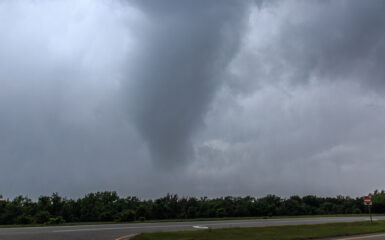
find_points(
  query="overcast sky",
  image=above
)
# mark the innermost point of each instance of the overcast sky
(193, 97)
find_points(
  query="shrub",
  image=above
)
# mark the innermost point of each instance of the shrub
(24, 219)
(221, 212)
(56, 220)
(126, 216)
(356, 211)
(142, 219)
(106, 216)
(42, 217)
(141, 211)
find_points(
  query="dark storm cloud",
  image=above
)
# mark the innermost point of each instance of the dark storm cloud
(283, 97)
(327, 39)
(301, 80)
(340, 39)
(184, 50)
(60, 123)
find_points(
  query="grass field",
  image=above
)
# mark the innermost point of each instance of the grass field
(296, 232)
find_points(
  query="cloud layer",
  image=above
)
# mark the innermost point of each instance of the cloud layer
(197, 98)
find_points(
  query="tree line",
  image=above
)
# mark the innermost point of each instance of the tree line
(108, 206)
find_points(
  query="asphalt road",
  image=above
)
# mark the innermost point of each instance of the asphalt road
(123, 231)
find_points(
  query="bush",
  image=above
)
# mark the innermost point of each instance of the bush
(24, 219)
(126, 216)
(142, 219)
(356, 211)
(141, 211)
(56, 220)
(42, 217)
(106, 216)
(221, 212)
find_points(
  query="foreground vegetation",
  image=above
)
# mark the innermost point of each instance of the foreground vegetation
(108, 206)
(271, 233)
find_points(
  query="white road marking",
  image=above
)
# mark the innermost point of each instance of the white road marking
(200, 227)
(119, 228)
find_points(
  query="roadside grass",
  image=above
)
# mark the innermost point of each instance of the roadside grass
(186, 220)
(292, 232)
(262, 217)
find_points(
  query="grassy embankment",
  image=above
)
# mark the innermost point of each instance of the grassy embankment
(296, 232)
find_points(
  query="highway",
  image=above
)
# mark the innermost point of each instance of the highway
(124, 231)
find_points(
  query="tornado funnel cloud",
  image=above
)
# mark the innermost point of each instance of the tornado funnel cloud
(186, 47)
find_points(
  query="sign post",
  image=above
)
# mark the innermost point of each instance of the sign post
(368, 202)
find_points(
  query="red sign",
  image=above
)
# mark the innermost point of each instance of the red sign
(367, 200)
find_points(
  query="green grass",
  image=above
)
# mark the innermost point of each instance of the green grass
(294, 232)
(264, 217)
